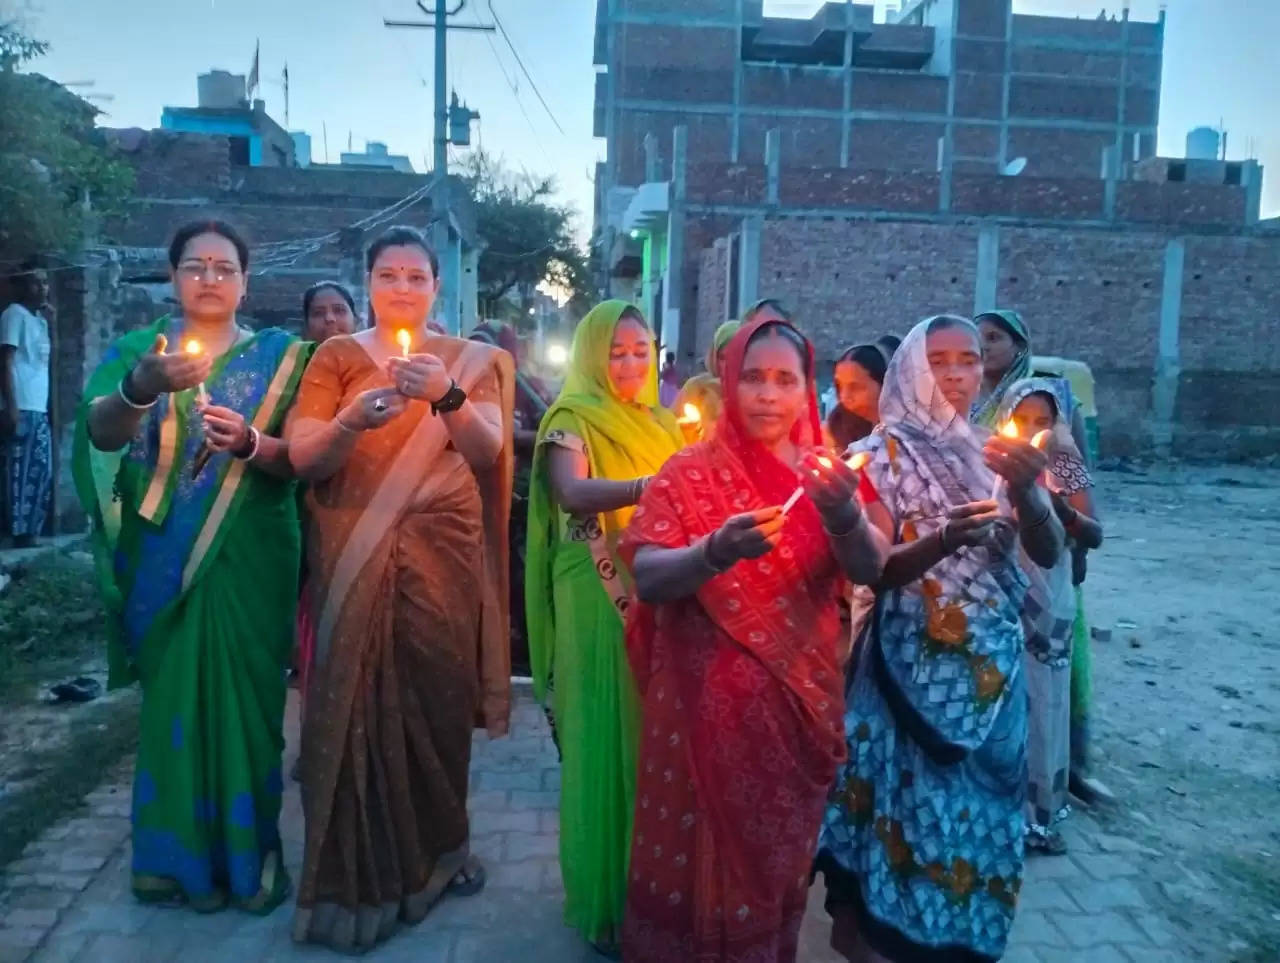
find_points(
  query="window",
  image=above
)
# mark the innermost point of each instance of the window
(1177, 171)
(239, 151)
(1234, 174)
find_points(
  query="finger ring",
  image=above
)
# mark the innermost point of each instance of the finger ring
(379, 405)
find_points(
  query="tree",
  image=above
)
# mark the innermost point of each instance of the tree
(529, 237)
(58, 178)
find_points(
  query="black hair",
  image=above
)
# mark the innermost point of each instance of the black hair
(766, 303)
(182, 237)
(890, 343)
(671, 357)
(873, 359)
(310, 293)
(401, 235)
(790, 335)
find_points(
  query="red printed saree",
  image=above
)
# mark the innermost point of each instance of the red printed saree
(742, 698)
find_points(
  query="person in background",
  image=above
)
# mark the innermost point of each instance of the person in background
(1006, 359)
(24, 408)
(603, 439)
(703, 390)
(859, 373)
(408, 453)
(1034, 405)
(668, 381)
(190, 490)
(922, 842)
(530, 406)
(735, 646)
(328, 310)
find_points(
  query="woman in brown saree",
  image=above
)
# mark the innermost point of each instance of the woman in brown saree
(408, 450)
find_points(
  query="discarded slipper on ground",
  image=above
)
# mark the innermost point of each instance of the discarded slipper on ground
(82, 689)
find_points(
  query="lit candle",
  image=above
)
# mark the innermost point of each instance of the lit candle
(192, 347)
(691, 415)
(1010, 430)
(857, 463)
(405, 339)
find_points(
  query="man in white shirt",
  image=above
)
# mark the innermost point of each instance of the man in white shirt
(24, 408)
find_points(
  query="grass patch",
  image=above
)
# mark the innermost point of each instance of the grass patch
(103, 733)
(51, 619)
(52, 628)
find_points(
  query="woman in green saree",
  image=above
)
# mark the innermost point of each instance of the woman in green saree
(597, 447)
(196, 541)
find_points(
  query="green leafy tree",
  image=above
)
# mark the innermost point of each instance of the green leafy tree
(529, 237)
(58, 178)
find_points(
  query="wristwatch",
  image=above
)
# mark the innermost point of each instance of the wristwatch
(453, 400)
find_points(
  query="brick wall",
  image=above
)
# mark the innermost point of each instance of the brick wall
(1090, 294)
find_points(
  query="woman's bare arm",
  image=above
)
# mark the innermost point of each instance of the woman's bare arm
(580, 495)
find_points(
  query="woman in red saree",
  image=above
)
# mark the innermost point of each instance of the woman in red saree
(734, 645)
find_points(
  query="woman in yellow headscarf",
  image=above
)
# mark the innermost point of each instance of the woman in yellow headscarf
(597, 447)
(703, 390)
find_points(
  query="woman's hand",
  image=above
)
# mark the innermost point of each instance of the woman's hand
(421, 376)
(832, 486)
(224, 429)
(748, 535)
(372, 409)
(970, 525)
(1017, 461)
(157, 373)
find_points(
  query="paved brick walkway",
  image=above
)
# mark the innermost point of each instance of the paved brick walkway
(68, 898)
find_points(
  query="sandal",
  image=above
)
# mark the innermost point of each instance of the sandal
(467, 884)
(1048, 842)
(82, 689)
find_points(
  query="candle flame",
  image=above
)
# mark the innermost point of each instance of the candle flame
(1009, 429)
(860, 460)
(404, 339)
(691, 415)
(192, 346)
(1041, 438)
(824, 461)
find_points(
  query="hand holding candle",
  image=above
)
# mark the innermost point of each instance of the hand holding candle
(1001, 458)
(690, 422)
(854, 464)
(405, 340)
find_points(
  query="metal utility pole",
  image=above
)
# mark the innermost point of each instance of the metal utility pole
(439, 22)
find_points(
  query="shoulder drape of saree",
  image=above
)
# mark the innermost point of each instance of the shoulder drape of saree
(408, 478)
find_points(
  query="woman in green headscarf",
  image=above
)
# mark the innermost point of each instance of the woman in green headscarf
(703, 390)
(597, 446)
(1006, 358)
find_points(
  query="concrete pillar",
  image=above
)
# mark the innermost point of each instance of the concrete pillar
(749, 262)
(1251, 178)
(470, 289)
(651, 161)
(673, 289)
(773, 162)
(847, 93)
(988, 269)
(1110, 175)
(735, 134)
(944, 171)
(1164, 391)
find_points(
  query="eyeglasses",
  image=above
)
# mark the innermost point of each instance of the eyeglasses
(196, 271)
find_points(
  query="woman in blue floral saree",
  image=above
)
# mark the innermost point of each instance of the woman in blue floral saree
(922, 841)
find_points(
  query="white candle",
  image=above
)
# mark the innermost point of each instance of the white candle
(193, 347)
(857, 463)
(405, 340)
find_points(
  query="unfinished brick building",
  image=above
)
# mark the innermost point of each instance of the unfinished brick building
(959, 158)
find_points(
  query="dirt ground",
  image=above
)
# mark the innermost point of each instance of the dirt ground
(1187, 692)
